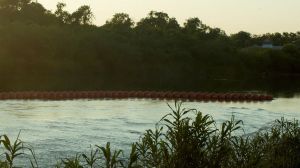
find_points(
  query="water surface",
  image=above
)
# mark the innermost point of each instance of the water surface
(58, 129)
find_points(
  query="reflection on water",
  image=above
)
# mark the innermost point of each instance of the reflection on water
(57, 129)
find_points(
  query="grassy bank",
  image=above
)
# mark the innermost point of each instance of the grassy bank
(184, 138)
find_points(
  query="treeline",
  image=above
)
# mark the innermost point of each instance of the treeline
(59, 50)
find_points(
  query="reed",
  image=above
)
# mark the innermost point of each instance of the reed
(13, 150)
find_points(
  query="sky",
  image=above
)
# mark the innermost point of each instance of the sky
(254, 16)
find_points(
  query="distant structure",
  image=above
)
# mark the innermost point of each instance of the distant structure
(269, 45)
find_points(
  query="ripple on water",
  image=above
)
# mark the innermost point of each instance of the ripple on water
(57, 129)
(132, 123)
(135, 132)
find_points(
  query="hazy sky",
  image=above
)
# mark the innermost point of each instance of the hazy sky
(254, 16)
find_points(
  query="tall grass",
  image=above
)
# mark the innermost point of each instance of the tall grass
(187, 138)
(12, 150)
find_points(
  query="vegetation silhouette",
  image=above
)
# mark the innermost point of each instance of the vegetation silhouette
(44, 50)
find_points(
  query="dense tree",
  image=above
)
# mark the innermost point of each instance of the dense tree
(83, 15)
(242, 39)
(14, 5)
(61, 50)
(157, 22)
(194, 25)
(120, 21)
(61, 14)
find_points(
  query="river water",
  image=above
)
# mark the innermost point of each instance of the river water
(59, 129)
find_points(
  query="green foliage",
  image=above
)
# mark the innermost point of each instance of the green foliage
(13, 150)
(193, 25)
(133, 158)
(187, 138)
(82, 16)
(111, 159)
(15, 5)
(92, 158)
(120, 22)
(62, 15)
(72, 162)
(242, 39)
(41, 50)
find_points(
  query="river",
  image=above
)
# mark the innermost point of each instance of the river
(59, 129)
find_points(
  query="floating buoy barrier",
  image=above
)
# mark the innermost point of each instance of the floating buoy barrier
(186, 96)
